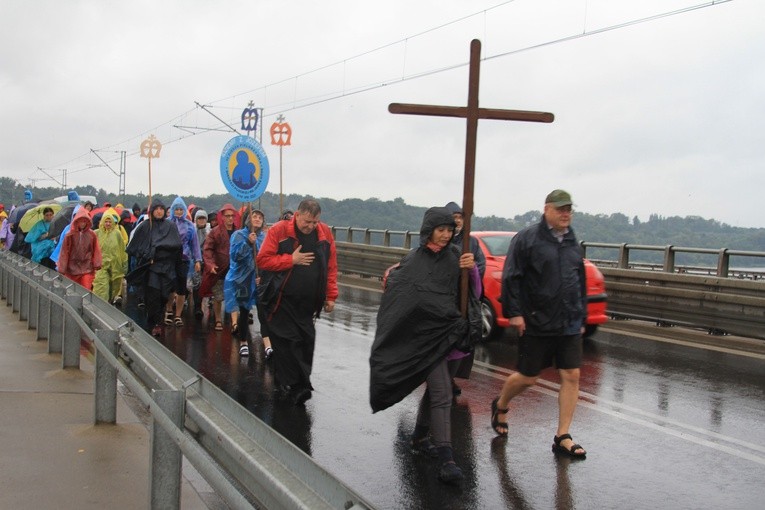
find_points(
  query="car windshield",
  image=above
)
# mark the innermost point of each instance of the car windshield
(498, 244)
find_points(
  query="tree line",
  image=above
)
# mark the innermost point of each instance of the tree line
(397, 215)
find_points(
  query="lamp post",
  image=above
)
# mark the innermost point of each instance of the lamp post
(281, 135)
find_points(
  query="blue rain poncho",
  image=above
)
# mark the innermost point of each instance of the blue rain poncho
(188, 233)
(41, 247)
(239, 289)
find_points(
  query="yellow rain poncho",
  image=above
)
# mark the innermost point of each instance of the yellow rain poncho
(108, 282)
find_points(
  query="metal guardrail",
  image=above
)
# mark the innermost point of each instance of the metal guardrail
(245, 461)
(720, 305)
(377, 237)
(669, 253)
(673, 294)
(366, 260)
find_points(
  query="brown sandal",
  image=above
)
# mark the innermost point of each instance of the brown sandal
(495, 423)
(218, 326)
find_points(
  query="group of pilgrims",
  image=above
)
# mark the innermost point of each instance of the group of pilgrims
(159, 254)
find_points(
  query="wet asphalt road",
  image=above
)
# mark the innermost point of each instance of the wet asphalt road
(665, 426)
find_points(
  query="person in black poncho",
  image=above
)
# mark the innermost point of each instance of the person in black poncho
(157, 248)
(418, 325)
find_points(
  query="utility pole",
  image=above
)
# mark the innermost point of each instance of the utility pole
(123, 167)
(120, 174)
(61, 183)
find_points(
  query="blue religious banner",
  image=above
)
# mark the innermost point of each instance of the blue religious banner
(244, 168)
(250, 118)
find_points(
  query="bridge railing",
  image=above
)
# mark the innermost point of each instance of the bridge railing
(721, 258)
(247, 463)
(717, 298)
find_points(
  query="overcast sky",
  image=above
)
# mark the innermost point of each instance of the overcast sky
(663, 117)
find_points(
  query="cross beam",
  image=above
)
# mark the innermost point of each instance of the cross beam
(472, 113)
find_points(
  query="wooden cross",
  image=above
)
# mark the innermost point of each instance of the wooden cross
(472, 113)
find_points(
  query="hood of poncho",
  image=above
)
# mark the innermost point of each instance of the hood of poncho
(434, 217)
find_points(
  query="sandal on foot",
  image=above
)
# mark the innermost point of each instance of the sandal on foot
(218, 326)
(169, 318)
(450, 472)
(178, 322)
(234, 328)
(244, 350)
(424, 446)
(495, 423)
(571, 452)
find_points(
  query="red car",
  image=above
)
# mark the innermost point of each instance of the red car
(494, 246)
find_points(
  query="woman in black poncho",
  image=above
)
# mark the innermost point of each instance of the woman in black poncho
(418, 325)
(157, 249)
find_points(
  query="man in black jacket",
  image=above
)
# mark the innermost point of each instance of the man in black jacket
(544, 296)
(480, 259)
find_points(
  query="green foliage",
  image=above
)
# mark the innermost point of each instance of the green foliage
(397, 215)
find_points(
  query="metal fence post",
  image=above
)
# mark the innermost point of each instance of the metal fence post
(43, 309)
(9, 289)
(166, 457)
(624, 256)
(3, 279)
(71, 345)
(723, 263)
(25, 295)
(105, 393)
(56, 324)
(669, 259)
(16, 295)
(34, 301)
(408, 241)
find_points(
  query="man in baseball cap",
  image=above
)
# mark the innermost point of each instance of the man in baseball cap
(558, 198)
(544, 297)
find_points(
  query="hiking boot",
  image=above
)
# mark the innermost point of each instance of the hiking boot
(450, 473)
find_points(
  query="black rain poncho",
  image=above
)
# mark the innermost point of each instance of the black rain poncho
(419, 321)
(157, 249)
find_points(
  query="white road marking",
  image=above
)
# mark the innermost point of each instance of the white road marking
(647, 419)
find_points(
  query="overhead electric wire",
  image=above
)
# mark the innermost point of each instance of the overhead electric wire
(292, 105)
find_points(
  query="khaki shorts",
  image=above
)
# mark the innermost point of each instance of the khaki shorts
(217, 291)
